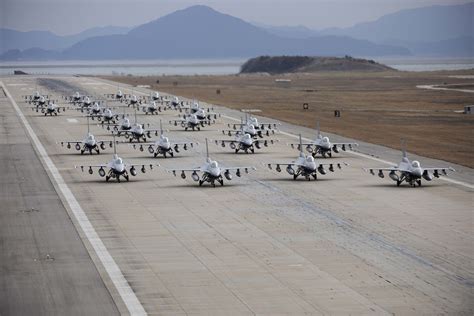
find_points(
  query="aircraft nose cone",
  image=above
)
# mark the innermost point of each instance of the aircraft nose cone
(418, 172)
(119, 168)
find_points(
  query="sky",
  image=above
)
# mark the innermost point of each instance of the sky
(66, 17)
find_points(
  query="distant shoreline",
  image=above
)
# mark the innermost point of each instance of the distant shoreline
(190, 67)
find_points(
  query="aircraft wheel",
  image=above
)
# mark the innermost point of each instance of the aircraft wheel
(107, 178)
(295, 176)
(330, 154)
(398, 183)
(186, 129)
(155, 154)
(171, 154)
(419, 183)
(127, 177)
(200, 183)
(82, 152)
(118, 178)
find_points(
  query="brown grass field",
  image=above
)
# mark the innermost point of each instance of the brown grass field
(379, 108)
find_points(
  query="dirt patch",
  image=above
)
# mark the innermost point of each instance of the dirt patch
(379, 108)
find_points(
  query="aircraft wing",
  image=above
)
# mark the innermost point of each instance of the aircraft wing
(344, 145)
(185, 145)
(320, 166)
(141, 165)
(381, 170)
(99, 142)
(297, 145)
(91, 166)
(183, 171)
(268, 125)
(224, 141)
(437, 170)
(245, 168)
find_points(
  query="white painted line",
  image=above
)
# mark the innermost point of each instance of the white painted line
(433, 87)
(465, 184)
(462, 76)
(74, 121)
(16, 84)
(125, 291)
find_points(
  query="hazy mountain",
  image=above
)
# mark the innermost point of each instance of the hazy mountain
(201, 32)
(456, 47)
(427, 24)
(31, 54)
(297, 31)
(12, 39)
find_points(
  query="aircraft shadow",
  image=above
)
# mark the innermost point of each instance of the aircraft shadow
(401, 187)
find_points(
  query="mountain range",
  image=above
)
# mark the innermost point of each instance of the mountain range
(201, 32)
(427, 31)
(12, 39)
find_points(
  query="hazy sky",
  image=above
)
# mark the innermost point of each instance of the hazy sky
(72, 16)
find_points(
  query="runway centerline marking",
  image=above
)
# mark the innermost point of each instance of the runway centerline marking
(123, 288)
(461, 183)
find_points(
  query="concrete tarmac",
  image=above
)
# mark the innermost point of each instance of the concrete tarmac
(349, 243)
(45, 268)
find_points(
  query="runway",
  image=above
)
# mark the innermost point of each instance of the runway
(45, 268)
(262, 244)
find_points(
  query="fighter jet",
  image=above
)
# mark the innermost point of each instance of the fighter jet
(244, 142)
(133, 100)
(95, 108)
(191, 122)
(304, 166)
(36, 98)
(123, 126)
(155, 96)
(246, 129)
(138, 132)
(163, 146)
(202, 115)
(210, 171)
(117, 168)
(51, 108)
(89, 143)
(150, 108)
(260, 127)
(175, 102)
(106, 116)
(410, 172)
(323, 146)
(200, 112)
(118, 96)
(76, 98)
(84, 104)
